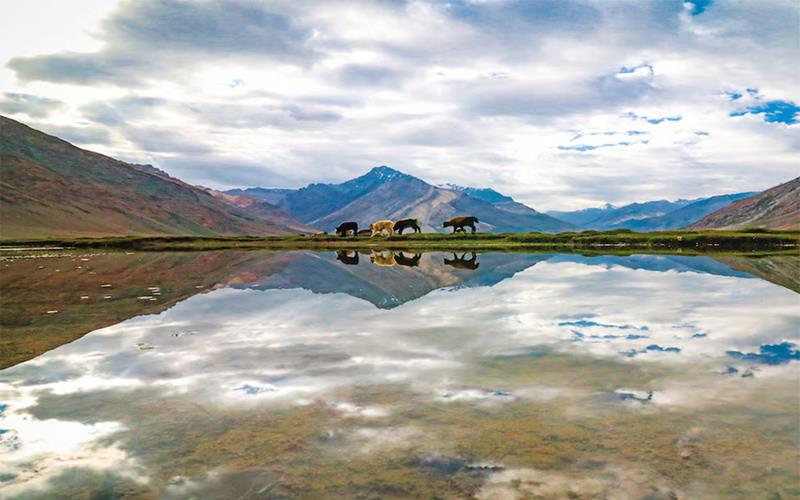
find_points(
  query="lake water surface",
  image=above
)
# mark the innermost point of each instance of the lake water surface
(387, 375)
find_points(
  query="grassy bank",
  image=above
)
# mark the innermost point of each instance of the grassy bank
(690, 241)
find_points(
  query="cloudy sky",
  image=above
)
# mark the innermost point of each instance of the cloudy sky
(561, 104)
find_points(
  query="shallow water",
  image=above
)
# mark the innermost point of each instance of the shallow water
(302, 374)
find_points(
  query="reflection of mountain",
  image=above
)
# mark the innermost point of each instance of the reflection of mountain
(47, 302)
(43, 306)
(390, 286)
(659, 263)
(783, 270)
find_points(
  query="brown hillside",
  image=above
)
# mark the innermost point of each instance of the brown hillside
(50, 188)
(775, 208)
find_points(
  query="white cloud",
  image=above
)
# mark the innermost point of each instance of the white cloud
(332, 89)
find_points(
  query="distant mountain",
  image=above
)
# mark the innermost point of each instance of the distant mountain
(775, 208)
(485, 194)
(657, 215)
(583, 217)
(261, 209)
(386, 193)
(50, 188)
(499, 200)
(270, 195)
(611, 217)
(683, 216)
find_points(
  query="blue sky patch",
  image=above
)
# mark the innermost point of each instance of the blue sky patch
(654, 121)
(773, 111)
(588, 147)
(699, 6)
(626, 70)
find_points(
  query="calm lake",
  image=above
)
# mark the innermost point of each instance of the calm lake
(394, 375)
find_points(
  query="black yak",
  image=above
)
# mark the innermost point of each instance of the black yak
(346, 227)
(402, 224)
(459, 223)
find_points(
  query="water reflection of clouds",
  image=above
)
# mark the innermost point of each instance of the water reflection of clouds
(298, 343)
(34, 451)
(292, 346)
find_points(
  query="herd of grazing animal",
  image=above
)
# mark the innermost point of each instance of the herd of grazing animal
(388, 258)
(388, 227)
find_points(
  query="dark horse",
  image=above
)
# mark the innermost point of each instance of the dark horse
(462, 263)
(401, 259)
(459, 223)
(346, 258)
(402, 224)
(346, 227)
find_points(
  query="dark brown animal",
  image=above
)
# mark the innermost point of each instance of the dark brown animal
(459, 223)
(402, 224)
(345, 257)
(463, 263)
(346, 227)
(402, 260)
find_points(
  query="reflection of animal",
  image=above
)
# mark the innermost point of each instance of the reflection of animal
(364, 232)
(459, 223)
(462, 263)
(402, 260)
(382, 259)
(402, 224)
(346, 227)
(345, 257)
(381, 226)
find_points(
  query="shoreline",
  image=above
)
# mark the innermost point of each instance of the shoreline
(746, 241)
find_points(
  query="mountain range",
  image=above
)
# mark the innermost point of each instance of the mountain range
(386, 193)
(649, 216)
(50, 188)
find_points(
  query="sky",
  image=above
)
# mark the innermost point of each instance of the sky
(561, 104)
